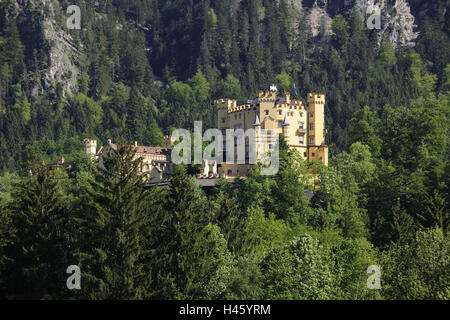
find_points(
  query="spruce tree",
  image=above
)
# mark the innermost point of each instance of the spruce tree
(36, 254)
(191, 255)
(114, 227)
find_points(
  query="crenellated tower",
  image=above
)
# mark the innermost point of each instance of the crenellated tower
(316, 128)
(90, 147)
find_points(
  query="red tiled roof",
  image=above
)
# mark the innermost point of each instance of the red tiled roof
(147, 150)
(55, 165)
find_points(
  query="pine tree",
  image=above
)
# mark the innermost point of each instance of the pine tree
(115, 228)
(290, 202)
(36, 256)
(228, 216)
(190, 254)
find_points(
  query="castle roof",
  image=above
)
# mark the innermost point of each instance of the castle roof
(285, 122)
(143, 149)
(257, 123)
(147, 150)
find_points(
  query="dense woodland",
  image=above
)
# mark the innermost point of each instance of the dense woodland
(383, 200)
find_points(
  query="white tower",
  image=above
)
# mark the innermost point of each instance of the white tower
(90, 147)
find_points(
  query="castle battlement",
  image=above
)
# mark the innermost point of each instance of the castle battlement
(316, 98)
(292, 104)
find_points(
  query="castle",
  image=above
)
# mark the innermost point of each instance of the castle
(303, 127)
(156, 165)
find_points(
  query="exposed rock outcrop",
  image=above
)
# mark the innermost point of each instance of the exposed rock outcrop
(37, 22)
(397, 22)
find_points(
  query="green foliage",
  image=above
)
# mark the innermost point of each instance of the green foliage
(35, 256)
(264, 233)
(300, 269)
(145, 67)
(340, 29)
(191, 259)
(386, 55)
(115, 219)
(339, 200)
(363, 128)
(418, 269)
(6, 183)
(283, 82)
(230, 87)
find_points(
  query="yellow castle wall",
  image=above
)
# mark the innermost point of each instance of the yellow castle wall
(271, 115)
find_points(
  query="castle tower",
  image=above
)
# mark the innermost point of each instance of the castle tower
(223, 105)
(168, 142)
(316, 128)
(316, 119)
(90, 147)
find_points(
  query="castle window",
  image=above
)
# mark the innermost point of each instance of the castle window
(313, 154)
(280, 124)
(311, 115)
(240, 116)
(279, 112)
(302, 139)
(266, 112)
(270, 146)
(311, 140)
(223, 120)
(230, 172)
(301, 114)
(305, 154)
(300, 125)
(311, 126)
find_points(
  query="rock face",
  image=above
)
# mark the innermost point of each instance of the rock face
(63, 53)
(397, 22)
(37, 22)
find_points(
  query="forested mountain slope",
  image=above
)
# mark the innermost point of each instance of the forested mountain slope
(58, 85)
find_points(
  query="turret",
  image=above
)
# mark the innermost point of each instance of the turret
(90, 147)
(168, 142)
(223, 107)
(316, 118)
